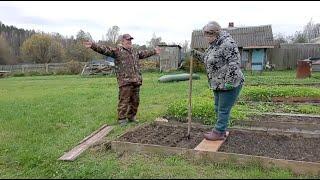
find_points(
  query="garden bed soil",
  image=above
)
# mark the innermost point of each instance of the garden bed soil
(166, 134)
(289, 147)
(296, 99)
(282, 118)
(294, 123)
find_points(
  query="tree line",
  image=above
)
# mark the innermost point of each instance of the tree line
(27, 46)
(310, 31)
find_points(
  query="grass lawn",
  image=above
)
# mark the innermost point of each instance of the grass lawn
(44, 116)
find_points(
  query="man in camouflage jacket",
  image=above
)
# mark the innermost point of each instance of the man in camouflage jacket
(222, 63)
(128, 72)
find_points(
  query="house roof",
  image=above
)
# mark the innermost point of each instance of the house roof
(249, 36)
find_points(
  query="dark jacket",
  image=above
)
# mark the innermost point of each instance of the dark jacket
(127, 67)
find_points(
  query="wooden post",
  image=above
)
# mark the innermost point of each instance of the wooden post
(47, 67)
(160, 64)
(190, 97)
(84, 68)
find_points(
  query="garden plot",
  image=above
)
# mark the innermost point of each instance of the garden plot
(315, 84)
(295, 151)
(295, 122)
(164, 134)
(296, 99)
(298, 147)
(297, 108)
(285, 94)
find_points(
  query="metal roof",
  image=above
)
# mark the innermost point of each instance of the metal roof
(250, 36)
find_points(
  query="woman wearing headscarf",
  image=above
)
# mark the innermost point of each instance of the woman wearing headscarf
(225, 78)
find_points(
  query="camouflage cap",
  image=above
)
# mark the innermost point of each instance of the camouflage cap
(127, 36)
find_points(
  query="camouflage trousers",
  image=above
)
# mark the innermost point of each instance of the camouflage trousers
(128, 101)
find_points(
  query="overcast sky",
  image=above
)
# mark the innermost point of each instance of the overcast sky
(172, 21)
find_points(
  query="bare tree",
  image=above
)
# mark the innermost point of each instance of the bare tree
(281, 38)
(14, 37)
(311, 30)
(82, 36)
(299, 37)
(184, 46)
(112, 35)
(5, 52)
(154, 41)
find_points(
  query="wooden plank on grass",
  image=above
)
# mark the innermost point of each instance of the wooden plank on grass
(212, 146)
(86, 143)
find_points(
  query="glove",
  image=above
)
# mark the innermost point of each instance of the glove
(228, 86)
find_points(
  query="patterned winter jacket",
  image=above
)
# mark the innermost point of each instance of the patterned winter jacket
(127, 67)
(222, 62)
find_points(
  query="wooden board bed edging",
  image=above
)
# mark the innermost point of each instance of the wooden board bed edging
(297, 167)
(279, 125)
(296, 124)
(291, 114)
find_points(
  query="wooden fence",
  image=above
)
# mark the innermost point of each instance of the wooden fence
(63, 67)
(41, 68)
(287, 55)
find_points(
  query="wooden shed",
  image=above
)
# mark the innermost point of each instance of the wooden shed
(253, 42)
(170, 57)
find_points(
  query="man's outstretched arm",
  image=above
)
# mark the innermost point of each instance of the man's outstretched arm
(105, 50)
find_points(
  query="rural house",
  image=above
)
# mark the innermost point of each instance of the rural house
(253, 42)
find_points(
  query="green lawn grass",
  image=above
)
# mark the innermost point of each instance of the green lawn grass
(44, 116)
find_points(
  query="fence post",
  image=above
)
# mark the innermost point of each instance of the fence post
(47, 67)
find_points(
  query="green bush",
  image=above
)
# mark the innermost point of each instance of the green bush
(63, 72)
(266, 93)
(147, 65)
(74, 67)
(31, 73)
(202, 111)
(18, 74)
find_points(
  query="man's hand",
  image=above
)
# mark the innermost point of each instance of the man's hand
(87, 44)
(158, 50)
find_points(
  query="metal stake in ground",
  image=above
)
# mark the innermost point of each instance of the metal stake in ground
(190, 95)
